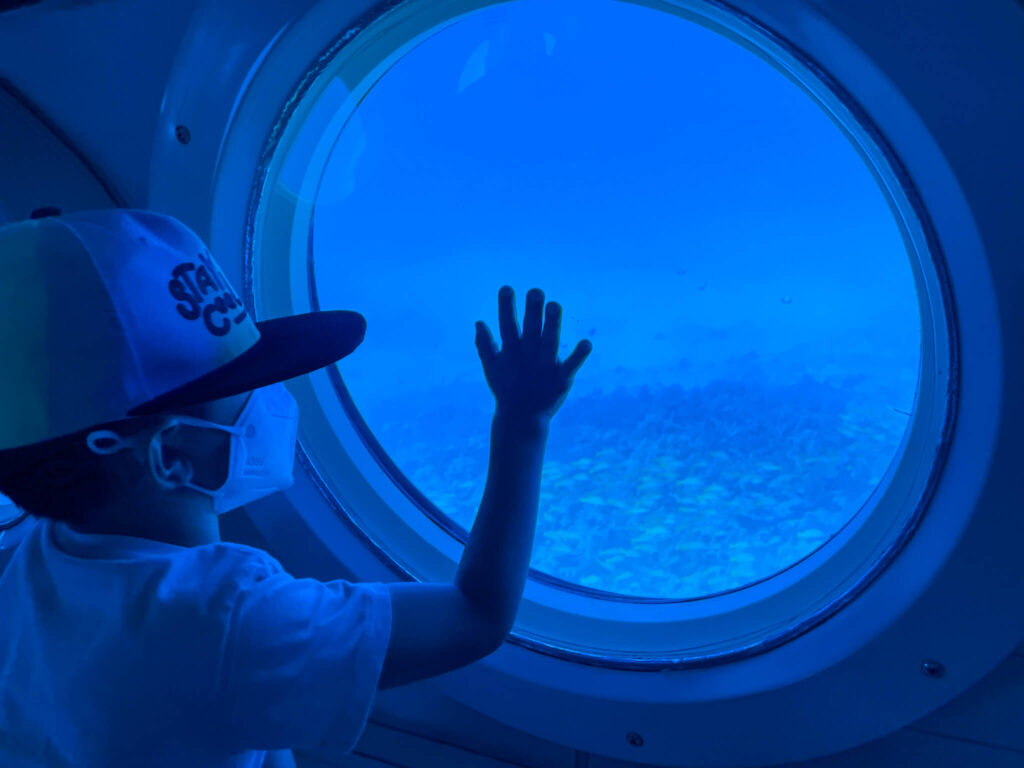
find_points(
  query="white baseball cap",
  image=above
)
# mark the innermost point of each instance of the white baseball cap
(107, 315)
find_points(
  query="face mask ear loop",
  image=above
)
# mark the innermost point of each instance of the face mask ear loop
(119, 443)
(161, 473)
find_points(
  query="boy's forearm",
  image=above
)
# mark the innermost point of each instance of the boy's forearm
(492, 573)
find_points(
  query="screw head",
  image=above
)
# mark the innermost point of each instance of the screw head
(932, 668)
(635, 739)
(183, 134)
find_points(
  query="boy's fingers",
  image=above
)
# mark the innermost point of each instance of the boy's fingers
(534, 317)
(485, 343)
(575, 360)
(507, 316)
(552, 329)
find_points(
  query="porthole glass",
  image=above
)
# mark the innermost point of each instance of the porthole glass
(716, 234)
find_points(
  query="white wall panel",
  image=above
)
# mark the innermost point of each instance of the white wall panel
(991, 712)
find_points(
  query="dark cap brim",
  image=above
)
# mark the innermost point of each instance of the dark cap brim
(288, 347)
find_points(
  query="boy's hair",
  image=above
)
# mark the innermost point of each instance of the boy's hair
(61, 478)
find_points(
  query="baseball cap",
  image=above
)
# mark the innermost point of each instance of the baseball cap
(112, 314)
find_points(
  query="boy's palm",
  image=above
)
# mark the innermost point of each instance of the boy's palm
(525, 376)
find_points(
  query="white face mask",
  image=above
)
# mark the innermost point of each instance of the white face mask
(262, 449)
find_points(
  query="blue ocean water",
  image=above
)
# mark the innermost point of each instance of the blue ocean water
(699, 217)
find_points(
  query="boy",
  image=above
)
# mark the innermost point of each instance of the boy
(139, 401)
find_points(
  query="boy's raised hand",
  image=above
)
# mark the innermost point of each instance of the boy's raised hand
(525, 376)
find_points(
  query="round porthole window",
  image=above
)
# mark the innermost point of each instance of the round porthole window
(731, 240)
(719, 239)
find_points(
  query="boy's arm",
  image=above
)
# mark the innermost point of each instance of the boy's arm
(440, 627)
(492, 572)
(436, 628)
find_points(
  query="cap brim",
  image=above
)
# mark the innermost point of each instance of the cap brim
(288, 347)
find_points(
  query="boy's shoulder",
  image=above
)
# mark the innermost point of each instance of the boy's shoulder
(240, 559)
(76, 542)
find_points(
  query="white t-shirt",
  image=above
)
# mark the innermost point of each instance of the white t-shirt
(120, 651)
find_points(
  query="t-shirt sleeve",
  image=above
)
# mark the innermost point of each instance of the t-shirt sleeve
(302, 660)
